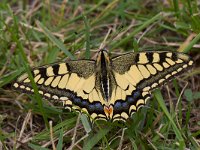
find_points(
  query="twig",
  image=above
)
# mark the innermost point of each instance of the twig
(121, 140)
(75, 131)
(51, 134)
(104, 40)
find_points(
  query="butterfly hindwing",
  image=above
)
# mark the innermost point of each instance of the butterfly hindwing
(72, 82)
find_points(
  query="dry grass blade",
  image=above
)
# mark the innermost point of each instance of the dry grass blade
(51, 135)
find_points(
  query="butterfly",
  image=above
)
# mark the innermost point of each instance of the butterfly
(106, 88)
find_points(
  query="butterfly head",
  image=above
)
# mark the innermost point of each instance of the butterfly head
(103, 57)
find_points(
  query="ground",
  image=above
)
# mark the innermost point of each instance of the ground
(35, 33)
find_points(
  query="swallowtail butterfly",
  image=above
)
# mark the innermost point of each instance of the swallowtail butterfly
(106, 88)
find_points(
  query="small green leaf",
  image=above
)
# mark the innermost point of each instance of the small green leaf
(196, 95)
(86, 123)
(198, 123)
(188, 95)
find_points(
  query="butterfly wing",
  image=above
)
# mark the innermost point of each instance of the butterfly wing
(72, 82)
(137, 74)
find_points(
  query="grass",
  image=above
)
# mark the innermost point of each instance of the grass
(37, 33)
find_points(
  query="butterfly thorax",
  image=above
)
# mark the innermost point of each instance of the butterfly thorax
(104, 75)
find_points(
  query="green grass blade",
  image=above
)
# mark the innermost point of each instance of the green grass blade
(28, 70)
(5, 79)
(160, 100)
(55, 40)
(92, 141)
(60, 140)
(36, 147)
(137, 30)
(87, 12)
(176, 7)
(191, 44)
(87, 37)
(135, 45)
(67, 124)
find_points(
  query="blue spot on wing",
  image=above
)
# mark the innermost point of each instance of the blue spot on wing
(95, 107)
(77, 100)
(124, 105)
